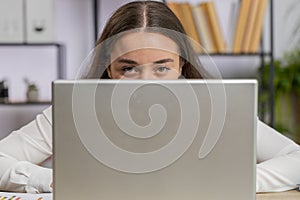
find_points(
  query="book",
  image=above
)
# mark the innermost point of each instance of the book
(250, 25)
(203, 29)
(176, 10)
(234, 9)
(214, 25)
(257, 29)
(213, 48)
(241, 26)
(189, 25)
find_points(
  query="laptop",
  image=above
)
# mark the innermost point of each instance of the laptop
(162, 140)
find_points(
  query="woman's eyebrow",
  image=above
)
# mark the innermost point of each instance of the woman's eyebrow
(163, 61)
(127, 61)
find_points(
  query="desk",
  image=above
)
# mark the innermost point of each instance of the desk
(24, 196)
(289, 195)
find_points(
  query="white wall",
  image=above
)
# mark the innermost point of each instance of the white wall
(286, 18)
(74, 29)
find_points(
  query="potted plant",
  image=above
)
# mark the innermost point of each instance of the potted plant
(286, 80)
(287, 93)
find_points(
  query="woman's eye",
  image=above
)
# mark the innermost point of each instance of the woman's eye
(129, 69)
(162, 69)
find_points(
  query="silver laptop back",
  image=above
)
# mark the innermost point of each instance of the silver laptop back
(162, 140)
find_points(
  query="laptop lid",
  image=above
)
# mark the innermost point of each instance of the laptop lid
(182, 139)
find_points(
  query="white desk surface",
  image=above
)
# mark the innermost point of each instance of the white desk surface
(289, 195)
(24, 196)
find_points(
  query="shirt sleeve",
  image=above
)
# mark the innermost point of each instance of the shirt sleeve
(23, 150)
(278, 160)
(21, 154)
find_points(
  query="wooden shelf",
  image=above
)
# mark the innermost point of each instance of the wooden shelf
(236, 54)
(24, 103)
(30, 44)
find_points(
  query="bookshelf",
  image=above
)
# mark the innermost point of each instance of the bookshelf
(266, 108)
(61, 71)
(242, 45)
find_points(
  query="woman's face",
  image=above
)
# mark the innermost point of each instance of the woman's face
(143, 55)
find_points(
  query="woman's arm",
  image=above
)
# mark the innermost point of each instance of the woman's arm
(278, 158)
(22, 151)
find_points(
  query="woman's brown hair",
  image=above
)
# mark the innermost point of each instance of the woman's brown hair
(145, 14)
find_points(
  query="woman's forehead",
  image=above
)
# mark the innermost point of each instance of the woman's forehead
(147, 56)
(143, 41)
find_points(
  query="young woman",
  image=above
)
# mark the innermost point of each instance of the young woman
(137, 55)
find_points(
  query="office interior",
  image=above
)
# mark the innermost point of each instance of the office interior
(73, 35)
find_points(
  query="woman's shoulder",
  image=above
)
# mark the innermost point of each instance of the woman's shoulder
(48, 114)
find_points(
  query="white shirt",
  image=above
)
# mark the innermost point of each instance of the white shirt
(22, 152)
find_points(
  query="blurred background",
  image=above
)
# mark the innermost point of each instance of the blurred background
(45, 40)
